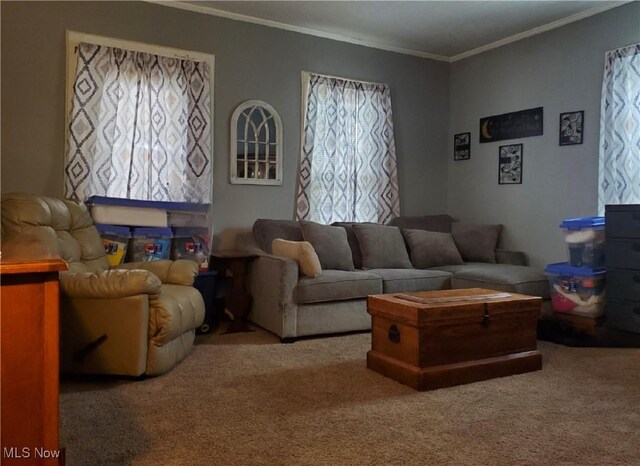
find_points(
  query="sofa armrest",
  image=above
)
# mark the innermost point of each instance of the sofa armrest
(109, 284)
(178, 272)
(504, 256)
(273, 280)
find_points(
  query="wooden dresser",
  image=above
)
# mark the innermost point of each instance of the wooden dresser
(622, 255)
(29, 335)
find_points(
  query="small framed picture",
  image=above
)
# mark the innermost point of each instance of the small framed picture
(571, 128)
(510, 164)
(462, 146)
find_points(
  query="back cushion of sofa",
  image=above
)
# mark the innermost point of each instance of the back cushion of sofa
(266, 230)
(476, 243)
(382, 247)
(63, 226)
(441, 223)
(330, 243)
(352, 239)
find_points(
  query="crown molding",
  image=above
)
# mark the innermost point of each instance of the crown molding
(539, 29)
(298, 29)
(390, 48)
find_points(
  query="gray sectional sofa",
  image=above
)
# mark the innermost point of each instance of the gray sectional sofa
(292, 305)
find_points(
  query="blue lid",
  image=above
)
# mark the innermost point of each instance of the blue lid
(152, 232)
(582, 222)
(173, 206)
(115, 230)
(564, 268)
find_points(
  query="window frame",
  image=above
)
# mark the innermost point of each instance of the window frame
(74, 38)
(233, 145)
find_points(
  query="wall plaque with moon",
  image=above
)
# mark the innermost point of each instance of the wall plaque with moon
(512, 125)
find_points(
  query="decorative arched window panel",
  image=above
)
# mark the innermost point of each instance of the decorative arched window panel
(256, 144)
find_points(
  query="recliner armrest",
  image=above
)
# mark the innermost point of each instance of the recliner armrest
(109, 284)
(504, 256)
(177, 272)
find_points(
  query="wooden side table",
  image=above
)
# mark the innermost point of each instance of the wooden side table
(237, 299)
(29, 345)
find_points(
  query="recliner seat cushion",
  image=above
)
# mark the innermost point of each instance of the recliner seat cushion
(336, 285)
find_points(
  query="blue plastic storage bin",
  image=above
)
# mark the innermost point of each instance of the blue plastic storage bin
(585, 241)
(150, 244)
(577, 290)
(116, 240)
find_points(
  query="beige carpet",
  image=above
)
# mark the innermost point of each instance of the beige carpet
(246, 399)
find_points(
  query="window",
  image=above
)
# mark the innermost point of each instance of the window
(256, 144)
(619, 160)
(348, 159)
(139, 121)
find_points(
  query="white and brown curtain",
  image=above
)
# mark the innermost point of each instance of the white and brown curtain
(140, 127)
(619, 159)
(348, 166)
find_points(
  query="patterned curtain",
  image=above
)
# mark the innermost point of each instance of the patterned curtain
(619, 162)
(348, 162)
(140, 127)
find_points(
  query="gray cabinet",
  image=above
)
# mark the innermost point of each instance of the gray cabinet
(622, 250)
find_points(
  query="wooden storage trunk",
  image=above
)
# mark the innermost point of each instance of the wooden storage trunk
(435, 339)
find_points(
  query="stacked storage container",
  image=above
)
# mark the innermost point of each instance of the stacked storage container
(150, 230)
(191, 243)
(150, 244)
(116, 240)
(578, 286)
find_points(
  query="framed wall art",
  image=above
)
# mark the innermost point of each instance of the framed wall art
(462, 146)
(510, 164)
(571, 128)
(514, 125)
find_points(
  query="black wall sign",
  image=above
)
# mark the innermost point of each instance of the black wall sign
(513, 125)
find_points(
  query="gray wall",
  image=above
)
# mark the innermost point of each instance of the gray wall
(560, 70)
(252, 62)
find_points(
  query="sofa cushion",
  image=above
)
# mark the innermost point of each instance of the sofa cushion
(501, 277)
(476, 243)
(336, 285)
(431, 248)
(56, 227)
(382, 247)
(441, 223)
(266, 230)
(302, 251)
(352, 239)
(330, 243)
(407, 280)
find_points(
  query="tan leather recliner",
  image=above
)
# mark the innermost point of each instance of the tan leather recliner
(134, 319)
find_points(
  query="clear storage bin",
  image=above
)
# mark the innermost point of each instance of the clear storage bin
(115, 239)
(192, 244)
(585, 241)
(150, 244)
(577, 290)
